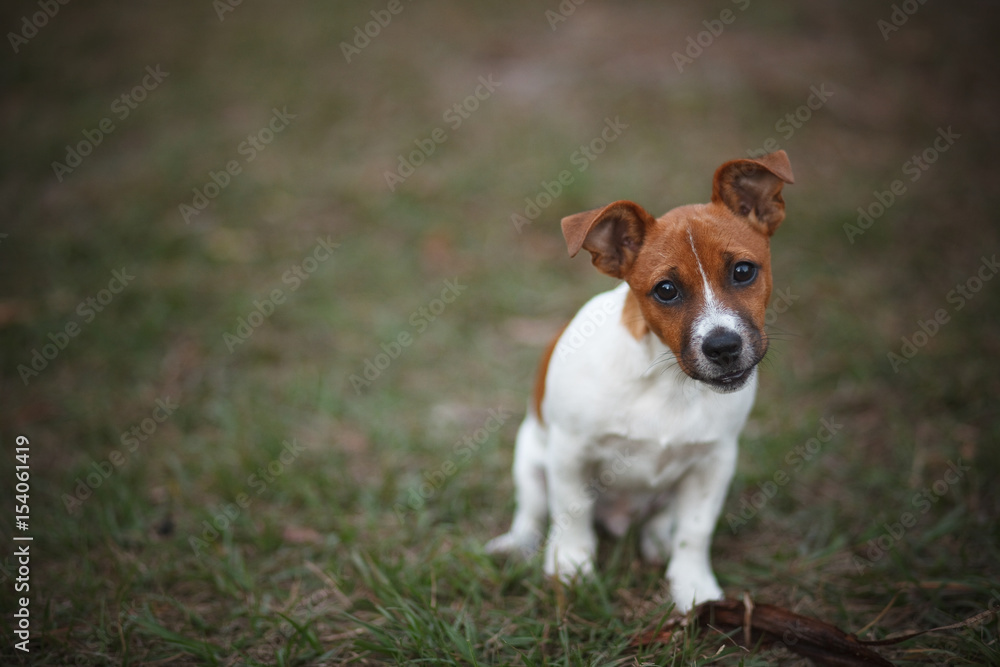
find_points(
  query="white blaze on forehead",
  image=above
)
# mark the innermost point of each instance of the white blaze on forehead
(709, 295)
(713, 315)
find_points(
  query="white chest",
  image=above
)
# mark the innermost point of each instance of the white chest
(636, 416)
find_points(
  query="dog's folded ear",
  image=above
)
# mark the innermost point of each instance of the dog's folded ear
(752, 188)
(612, 235)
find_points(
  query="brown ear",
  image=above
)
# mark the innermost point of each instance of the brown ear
(612, 235)
(752, 188)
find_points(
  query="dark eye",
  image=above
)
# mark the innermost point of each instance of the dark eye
(744, 272)
(665, 291)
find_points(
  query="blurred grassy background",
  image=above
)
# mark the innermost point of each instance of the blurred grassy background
(333, 554)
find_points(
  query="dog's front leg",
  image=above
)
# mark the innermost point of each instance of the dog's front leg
(699, 500)
(572, 541)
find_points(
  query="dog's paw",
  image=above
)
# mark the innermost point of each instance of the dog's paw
(568, 563)
(689, 592)
(511, 544)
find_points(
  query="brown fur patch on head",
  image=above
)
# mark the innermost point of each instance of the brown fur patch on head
(721, 245)
(691, 241)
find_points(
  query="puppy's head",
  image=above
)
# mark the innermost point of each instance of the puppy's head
(700, 275)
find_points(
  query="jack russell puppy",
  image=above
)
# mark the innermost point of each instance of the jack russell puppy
(639, 402)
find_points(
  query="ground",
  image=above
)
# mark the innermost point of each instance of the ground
(275, 280)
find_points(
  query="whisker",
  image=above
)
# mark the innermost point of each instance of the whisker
(667, 359)
(784, 332)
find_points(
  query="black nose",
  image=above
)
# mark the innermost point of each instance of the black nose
(722, 347)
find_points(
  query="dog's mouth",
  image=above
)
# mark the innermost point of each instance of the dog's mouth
(730, 381)
(735, 376)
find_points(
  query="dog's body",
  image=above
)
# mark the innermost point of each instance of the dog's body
(641, 399)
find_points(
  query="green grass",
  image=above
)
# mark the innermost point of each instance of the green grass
(279, 516)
